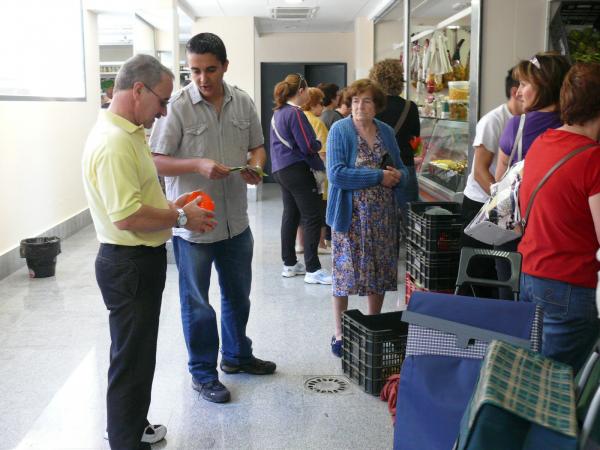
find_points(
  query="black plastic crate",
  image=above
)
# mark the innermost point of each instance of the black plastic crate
(374, 347)
(437, 239)
(413, 251)
(431, 274)
(435, 233)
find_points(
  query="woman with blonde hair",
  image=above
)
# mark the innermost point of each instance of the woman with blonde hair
(294, 159)
(366, 178)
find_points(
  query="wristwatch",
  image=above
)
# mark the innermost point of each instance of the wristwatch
(181, 219)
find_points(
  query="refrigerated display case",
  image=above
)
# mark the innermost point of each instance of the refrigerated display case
(442, 175)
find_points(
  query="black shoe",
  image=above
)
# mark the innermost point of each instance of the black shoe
(254, 367)
(213, 391)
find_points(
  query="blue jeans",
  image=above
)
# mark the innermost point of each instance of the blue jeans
(571, 324)
(233, 261)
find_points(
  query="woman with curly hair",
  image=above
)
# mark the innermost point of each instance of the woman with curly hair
(403, 116)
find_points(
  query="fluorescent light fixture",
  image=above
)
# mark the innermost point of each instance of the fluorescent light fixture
(294, 2)
(382, 9)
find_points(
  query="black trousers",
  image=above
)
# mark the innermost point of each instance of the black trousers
(131, 280)
(483, 267)
(301, 206)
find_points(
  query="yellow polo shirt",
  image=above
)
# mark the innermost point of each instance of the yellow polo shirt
(119, 177)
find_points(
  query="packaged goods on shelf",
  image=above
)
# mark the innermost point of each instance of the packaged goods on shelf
(458, 90)
(459, 109)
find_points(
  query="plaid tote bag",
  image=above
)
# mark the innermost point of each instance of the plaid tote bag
(522, 400)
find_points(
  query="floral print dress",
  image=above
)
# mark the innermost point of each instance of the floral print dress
(365, 259)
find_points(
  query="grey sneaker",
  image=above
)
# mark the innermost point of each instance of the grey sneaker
(292, 271)
(213, 391)
(321, 276)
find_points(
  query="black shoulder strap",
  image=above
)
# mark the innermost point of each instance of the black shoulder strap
(403, 116)
(553, 169)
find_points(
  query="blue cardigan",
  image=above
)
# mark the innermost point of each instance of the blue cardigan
(344, 177)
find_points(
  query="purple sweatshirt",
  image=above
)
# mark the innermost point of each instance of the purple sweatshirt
(536, 122)
(294, 128)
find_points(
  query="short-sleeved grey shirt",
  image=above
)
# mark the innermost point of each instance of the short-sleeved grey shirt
(192, 129)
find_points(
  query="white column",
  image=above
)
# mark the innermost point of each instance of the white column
(364, 39)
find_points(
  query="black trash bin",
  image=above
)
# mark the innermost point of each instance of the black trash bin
(40, 254)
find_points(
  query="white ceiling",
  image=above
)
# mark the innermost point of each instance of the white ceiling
(331, 16)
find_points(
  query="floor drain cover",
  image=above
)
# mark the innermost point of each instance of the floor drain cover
(327, 384)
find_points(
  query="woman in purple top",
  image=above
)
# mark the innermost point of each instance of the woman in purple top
(540, 80)
(294, 162)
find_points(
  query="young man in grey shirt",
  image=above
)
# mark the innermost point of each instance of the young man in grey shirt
(211, 128)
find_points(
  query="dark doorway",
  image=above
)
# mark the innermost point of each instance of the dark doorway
(273, 73)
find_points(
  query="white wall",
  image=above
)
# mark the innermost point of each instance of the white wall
(303, 48)
(237, 34)
(364, 46)
(143, 38)
(511, 30)
(112, 53)
(42, 142)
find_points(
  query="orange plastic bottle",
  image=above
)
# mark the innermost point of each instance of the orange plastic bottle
(205, 201)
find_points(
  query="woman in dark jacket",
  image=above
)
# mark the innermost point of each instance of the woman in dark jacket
(388, 74)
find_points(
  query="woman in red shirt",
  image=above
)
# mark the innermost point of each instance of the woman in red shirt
(563, 230)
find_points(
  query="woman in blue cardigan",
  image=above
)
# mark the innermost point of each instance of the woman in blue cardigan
(366, 178)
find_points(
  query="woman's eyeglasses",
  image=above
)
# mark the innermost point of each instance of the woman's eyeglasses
(301, 81)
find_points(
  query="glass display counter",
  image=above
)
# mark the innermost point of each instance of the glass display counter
(442, 175)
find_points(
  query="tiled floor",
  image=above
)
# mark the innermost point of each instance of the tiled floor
(54, 357)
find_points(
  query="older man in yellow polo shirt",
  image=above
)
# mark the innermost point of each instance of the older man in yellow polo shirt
(133, 221)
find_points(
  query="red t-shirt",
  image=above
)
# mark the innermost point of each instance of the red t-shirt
(560, 241)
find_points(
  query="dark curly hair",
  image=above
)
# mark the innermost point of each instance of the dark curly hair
(388, 74)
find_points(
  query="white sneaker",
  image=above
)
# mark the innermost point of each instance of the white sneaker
(292, 271)
(152, 434)
(321, 276)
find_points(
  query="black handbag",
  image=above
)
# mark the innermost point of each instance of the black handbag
(386, 161)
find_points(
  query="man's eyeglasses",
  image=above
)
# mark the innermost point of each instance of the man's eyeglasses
(163, 103)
